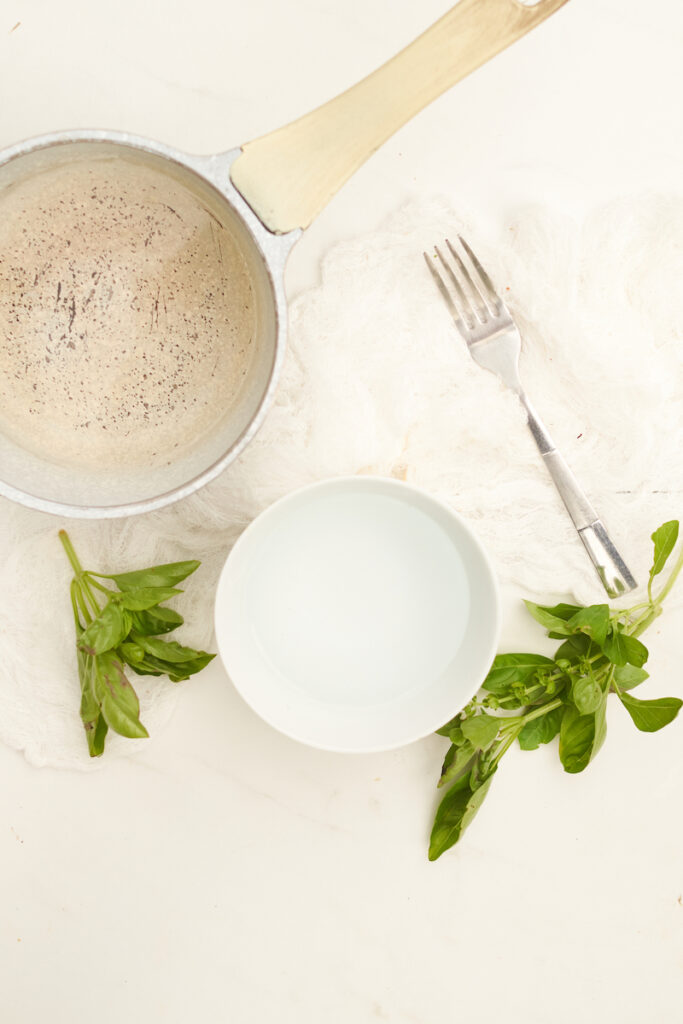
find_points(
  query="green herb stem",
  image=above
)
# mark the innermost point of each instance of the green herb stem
(93, 583)
(675, 572)
(625, 613)
(76, 607)
(70, 553)
(609, 682)
(81, 574)
(645, 620)
(82, 603)
(653, 608)
(505, 746)
(539, 712)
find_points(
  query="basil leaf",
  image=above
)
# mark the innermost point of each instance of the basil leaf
(97, 736)
(512, 668)
(157, 576)
(151, 666)
(166, 650)
(144, 668)
(134, 656)
(131, 652)
(146, 597)
(541, 730)
(594, 621)
(665, 541)
(627, 677)
(586, 694)
(448, 760)
(454, 814)
(548, 617)
(445, 730)
(476, 800)
(651, 715)
(456, 736)
(117, 698)
(481, 730)
(457, 762)
(600, 726)
(636, 652)
(565, 619)
(579, 735)
(189, 668)
(107, 631)
(575, 648)
(90, 709)
(614, 646)
(482, 770)
(622, 649)
(558, 611)
(93, 723)
(156, 621)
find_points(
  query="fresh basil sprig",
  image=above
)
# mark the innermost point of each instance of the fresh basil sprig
(534, 698)
(122, 627)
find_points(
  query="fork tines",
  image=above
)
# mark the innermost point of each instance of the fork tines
(464, 284)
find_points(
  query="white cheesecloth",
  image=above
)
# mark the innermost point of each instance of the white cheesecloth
(377, 380)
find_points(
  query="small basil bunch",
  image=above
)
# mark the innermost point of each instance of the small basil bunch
(534, 698)
(123, 627)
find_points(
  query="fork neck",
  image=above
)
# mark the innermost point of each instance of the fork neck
(541, 436)
(499, 354)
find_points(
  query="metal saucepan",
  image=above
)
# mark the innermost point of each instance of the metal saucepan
(142, 311)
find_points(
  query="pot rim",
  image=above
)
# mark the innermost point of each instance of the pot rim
(274, 249)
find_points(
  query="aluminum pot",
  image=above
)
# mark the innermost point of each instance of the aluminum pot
(257, 199)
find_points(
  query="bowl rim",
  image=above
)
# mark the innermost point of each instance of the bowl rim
(400, 487)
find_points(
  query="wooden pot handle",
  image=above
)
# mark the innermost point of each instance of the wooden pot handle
(289, 175)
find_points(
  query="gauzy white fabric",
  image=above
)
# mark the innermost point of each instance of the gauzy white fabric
(377, 380)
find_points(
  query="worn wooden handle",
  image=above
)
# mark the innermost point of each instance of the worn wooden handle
(289, 175)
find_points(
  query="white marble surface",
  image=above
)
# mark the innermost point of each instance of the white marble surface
(229, 874)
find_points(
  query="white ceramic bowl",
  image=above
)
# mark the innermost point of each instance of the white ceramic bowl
(358, 614)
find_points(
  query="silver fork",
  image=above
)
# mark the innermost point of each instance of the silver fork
(494, 342)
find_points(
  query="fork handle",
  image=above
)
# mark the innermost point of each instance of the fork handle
(610, 566)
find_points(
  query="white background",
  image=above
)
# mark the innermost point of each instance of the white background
(229, 874)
